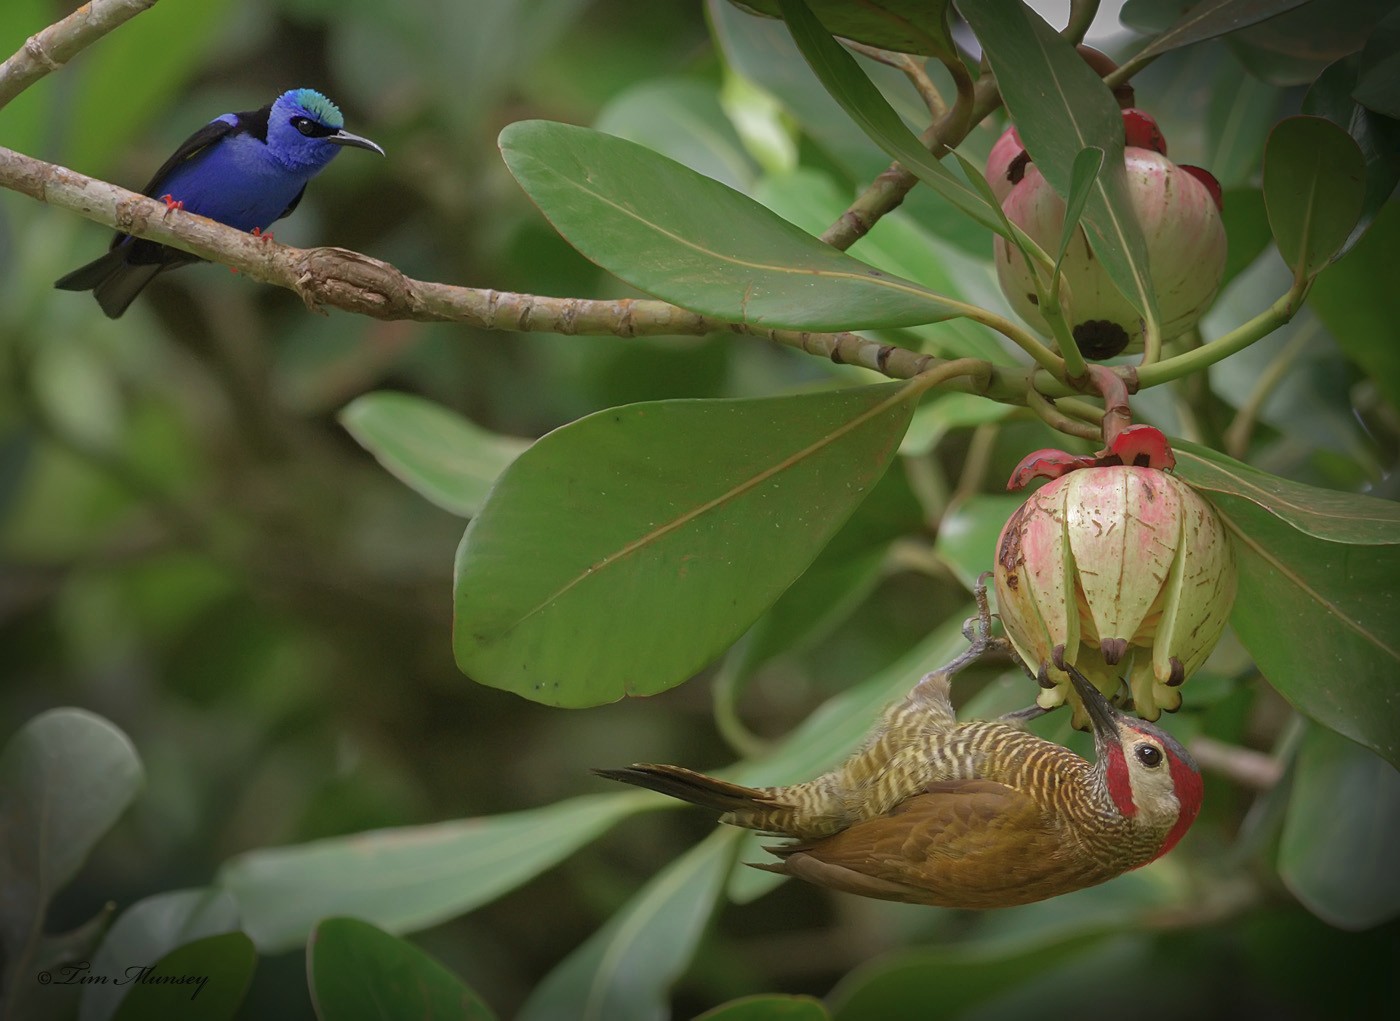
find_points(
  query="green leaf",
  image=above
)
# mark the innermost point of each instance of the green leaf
(65, 778)
(945, 412)
(1378, 76)
(1357, 300)
(1201, 21)
(1378, 137)
(1060, 107)
(768, 1008)
(904, 26)
(896, 987)
(623, 552)
(1088, 163)
(1337, 853)
(411, 877)
(862, 101)
(206, 979)
(1317, 605)
(625, 970)
(146, 932)
(435, 452)
(1314, 188)
(692, 241)
(358, 972)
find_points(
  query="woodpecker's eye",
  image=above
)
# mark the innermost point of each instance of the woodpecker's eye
(1149, 756)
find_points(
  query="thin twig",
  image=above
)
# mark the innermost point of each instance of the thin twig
(911, 68)
(53, 47)
(1057, 420)
(1241, 428)
(1244, 766)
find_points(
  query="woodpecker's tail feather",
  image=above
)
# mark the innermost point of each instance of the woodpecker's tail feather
(696, 788)
(113, 281)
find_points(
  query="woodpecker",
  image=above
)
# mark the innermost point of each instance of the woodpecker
(977, 814)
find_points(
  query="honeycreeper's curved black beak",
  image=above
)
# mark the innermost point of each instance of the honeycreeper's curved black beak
(1102, 716)
(358, 142)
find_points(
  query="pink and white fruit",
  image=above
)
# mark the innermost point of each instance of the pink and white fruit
(1113, 569)
(1186, 248)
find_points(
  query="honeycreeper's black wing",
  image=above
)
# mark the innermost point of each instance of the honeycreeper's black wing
(131, 263)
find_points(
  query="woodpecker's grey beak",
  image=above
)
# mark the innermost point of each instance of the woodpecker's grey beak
(345, 138)
(1102, 716)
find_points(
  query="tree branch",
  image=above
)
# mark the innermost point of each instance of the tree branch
(53, 47)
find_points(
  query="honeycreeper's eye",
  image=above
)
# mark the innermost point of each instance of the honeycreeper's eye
(1148, 755)
(305, 125)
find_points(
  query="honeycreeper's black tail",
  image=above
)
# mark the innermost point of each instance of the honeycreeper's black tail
(688, 785)
(113, 281)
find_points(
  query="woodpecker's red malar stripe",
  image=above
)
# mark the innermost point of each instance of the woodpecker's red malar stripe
(1120, 785)
(1186, 781)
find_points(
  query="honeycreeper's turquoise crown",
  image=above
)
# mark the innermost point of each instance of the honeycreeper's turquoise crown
(318, 106)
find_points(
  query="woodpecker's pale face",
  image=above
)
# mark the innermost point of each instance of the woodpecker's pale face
(1151, 777)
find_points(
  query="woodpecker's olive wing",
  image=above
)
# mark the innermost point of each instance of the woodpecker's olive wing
(963, 843)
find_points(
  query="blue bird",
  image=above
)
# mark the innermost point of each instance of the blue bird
(244, 169)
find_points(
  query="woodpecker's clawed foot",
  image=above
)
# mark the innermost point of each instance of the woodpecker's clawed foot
(978, 630)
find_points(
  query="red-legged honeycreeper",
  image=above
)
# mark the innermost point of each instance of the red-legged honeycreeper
(244, 169)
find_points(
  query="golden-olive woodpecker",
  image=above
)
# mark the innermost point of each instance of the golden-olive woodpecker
(980, 814)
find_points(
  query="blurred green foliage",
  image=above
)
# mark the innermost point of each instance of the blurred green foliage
(193, 547)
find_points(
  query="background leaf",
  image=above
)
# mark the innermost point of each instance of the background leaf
(622, 553)
(625, 970)
(1314, 188)
(358, 972)
(65, 778)
(1335, 852)
(147, 931)
(437, 453)
(411, 877)
(694, 242)
(208, 978)
(768, 1008)
(1200, 21)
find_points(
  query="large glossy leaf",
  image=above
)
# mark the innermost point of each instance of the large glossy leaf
(905, 26)
(1199, 21)
(863, 103)
(437, 453)
(359, 972)
(1314, 188)
(1377, 136)
(621, 553)
(65, 778)
(207, 978)
(695, 242)
(1061, 107)
(146, 932)
(1343, 824)
(1318, 607)
(409, 878)
(968, 533)
(624, 972)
